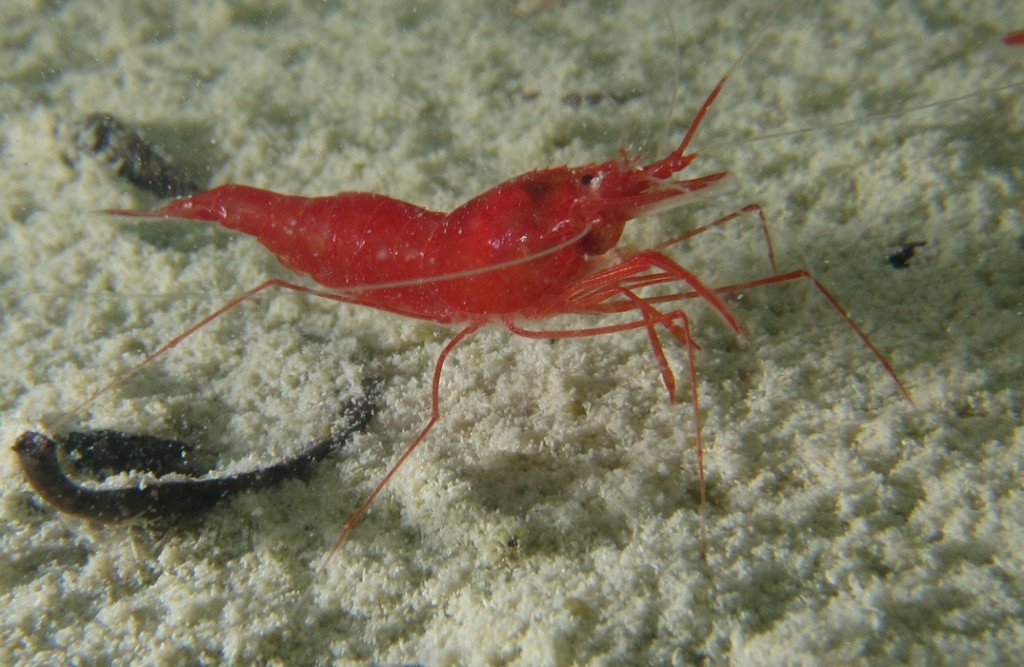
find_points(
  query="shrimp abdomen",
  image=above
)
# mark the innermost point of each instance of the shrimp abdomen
(349, 239)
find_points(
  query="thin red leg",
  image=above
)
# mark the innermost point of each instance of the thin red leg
(651, 319)
(589, 294)
(623, 306)
(749, 208)
(435, 414)
(174, 342)
(681, 332)
(803, 273)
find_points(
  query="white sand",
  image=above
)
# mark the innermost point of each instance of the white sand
(551, 517)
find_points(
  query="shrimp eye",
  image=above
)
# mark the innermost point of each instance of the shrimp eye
(587, 179)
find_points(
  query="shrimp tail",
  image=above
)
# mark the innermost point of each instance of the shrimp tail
(336, 240)
(220, 204)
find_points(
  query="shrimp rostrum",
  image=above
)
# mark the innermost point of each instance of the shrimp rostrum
(541, 244)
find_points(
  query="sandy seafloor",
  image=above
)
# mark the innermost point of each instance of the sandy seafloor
(551, 517)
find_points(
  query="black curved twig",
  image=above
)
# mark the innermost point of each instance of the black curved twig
(38, 455)
(134, 159)
(105, 452)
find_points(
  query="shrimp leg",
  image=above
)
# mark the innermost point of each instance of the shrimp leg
(749, 208)
(435, 414)
(681, 332)
(177, 340)
(804, 274)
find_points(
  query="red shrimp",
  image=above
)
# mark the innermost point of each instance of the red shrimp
(541, 244)
(1015, 38)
